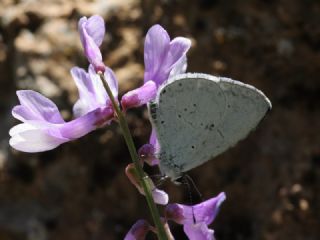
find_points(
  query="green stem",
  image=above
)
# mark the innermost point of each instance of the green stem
(135, 158)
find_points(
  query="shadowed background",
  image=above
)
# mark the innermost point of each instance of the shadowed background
(79, 190)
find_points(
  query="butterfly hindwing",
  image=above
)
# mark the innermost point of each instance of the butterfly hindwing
(198, 116)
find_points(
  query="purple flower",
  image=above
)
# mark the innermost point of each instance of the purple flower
(195, 219)
(92, 32)
(147, 153)
(138, 231)
(199, 231)
(139, 96)
(43, 127)
(92, 94)
(162, 58)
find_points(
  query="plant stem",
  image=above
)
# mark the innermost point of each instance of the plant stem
(135, 158)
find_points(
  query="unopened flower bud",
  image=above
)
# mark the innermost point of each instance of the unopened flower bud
(147, 154)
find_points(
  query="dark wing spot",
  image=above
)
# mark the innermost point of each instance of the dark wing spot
(210, 127)
(220, 133)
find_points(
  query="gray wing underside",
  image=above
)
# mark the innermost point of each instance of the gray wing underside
(198, 116)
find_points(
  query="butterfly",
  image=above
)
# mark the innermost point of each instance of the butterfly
(198, 116)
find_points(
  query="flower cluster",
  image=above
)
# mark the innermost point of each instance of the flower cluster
(43, 127)
(195, 219)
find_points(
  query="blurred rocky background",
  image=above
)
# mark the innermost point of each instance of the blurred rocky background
(79, 190)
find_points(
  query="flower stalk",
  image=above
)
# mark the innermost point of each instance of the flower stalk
(135, 158)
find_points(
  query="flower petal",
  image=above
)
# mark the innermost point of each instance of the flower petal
(81, 108)
(155, 49)
(91, 48)
(139, 96)
(81, 26)
(93, 53)
(208, 210)
(178, 49)
(99, 89)
(204, 212)
(138, 231)
(163, 58)
(160, 197)
(147, 154)
(87, 100)
(83, 81)
(29, 125)
(92, 94)
(35, 106)
(174, 61)
(198, 231)
(96, 29)
(179, 67)
(27, 138)
(86, 123)
(174, 212)
(39, 136)
(154, 141)
(112, 81)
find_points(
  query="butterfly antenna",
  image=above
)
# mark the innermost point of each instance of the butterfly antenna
(185, 182)
(194, 186)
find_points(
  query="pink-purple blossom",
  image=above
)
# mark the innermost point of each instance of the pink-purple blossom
(147, 153)
(92, 32)
(139, 96)
(195, 219)
(162, 59)
(43, 127)
(92, 94)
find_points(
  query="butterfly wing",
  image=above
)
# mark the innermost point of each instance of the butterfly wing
(198, 116)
